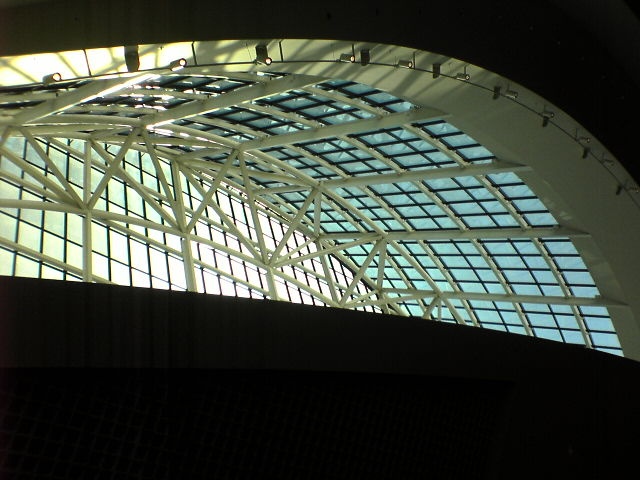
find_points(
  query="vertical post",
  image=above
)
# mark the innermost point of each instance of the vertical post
(382, 259)
(181, 219)
(264, 255)
(87, 241)
(328, 274)
(189, 264)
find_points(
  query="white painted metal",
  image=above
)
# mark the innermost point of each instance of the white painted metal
(155, 135)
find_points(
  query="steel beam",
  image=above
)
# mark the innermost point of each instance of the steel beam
(95, 88)
(343, 129)
(450, 234)
(235, 97)
(508, 298)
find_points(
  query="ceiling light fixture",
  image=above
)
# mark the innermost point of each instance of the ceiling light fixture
(512, 94)
(463, 76)
(178, 64)
(348, 58)
(405, 64)
(262, 55)
(51, 78)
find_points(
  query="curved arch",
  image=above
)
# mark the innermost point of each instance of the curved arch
(273, 138)
(581, 57)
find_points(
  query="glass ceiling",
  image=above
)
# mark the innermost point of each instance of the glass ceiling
(274, 186)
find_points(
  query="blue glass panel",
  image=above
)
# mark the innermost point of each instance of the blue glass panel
(441, 128)
(479, 221)
(573, 336)
(567, 321)
(605, 339)
(495, 326)
(540, 219)
(526, 289)
(602, 324)
(505, 220)
(516, 329)
(477, 202)
(460, 140)
(471, 153)
(548, 333)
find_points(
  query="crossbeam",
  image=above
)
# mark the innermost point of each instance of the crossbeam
(358, 126)
(93, 89)
(407, 294)
(229, 99)
(496, 166)
(451, 234)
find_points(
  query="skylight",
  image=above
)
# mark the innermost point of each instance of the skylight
(327, 193)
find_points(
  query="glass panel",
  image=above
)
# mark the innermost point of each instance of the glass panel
(227, 245)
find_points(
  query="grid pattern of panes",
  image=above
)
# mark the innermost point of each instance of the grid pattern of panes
(234, 246)
(49, 244)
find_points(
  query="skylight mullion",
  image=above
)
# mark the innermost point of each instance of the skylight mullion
(248, 188)
(23, 184)
(142, 190)
(559, 278)
(54, 190)
(345, 129)
(40, 257)
(356, 102)
(358, 213)
(506, 286)
(62, 178)
(230, 98)
(92, 89)
(226, 223)
(220, 121)
(417, 129)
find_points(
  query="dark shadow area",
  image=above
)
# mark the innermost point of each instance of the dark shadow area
(123, 423)
(94, 385)
(581, 56)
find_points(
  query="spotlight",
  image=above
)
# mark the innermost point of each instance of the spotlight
(178, 64)
(131, 58)
(348, 58)
(262, 56)
(512, 94)
(584, 139)
(51, 78)
(435, 70)
(496, 92)
(463, 76)
(365, 57)
(405, 64)
(546, 117)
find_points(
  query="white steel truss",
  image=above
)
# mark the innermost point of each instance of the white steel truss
(245, 210)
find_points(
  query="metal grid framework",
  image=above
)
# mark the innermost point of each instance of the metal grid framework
(289, 187)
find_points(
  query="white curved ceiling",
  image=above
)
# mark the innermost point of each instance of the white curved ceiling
(312, 180)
